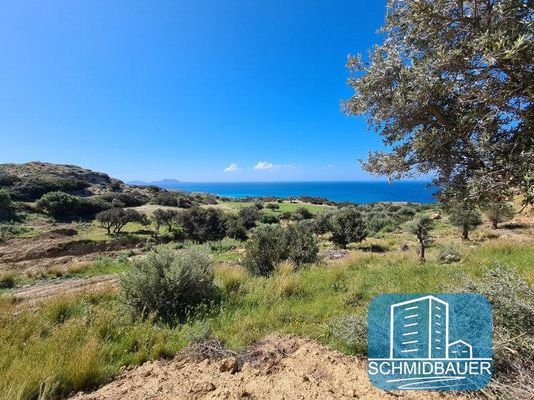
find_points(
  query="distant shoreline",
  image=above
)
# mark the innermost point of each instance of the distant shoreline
(361, 192)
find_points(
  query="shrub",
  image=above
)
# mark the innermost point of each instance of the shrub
(498, 212)
(285, 215)
(269, 219)
(6, 205)
(351, 331)
(304, 213)
(249, 216)
(302, 244)
(379, 222)
(449, 255)
(512, 300)
(234, 227)
(116, 218)
(265, 249)
(34, 188)
(133, 199)
(167, 199)
(272, 206)
(7, 280)
(171, 286)
(466, 218)
(201, 224)
(323, 222)
(60, 204)
(347, 227)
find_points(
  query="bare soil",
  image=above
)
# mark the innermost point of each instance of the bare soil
(47, 289)
(277, 368)
(57, 247)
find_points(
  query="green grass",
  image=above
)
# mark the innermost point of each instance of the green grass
(285, 206)
(76, 343)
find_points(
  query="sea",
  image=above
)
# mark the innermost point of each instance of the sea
(361, 192)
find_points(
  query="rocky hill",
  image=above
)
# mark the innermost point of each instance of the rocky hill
(29, 181)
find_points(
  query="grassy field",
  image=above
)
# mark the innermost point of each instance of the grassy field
(80, 341)
(285, 206)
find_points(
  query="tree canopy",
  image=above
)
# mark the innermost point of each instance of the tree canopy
(450, 90)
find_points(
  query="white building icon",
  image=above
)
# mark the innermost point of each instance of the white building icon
(419, 328)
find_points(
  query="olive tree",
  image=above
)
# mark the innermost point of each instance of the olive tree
(421, 227)
(347, 226)
(498, 212)
(465, 218)
(450, 91)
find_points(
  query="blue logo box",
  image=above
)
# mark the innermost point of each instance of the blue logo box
(430, 342)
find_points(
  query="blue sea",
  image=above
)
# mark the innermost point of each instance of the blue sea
(360, 192)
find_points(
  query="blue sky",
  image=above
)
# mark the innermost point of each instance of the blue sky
(186, 89)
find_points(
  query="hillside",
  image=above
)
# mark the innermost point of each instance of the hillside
(30, 180)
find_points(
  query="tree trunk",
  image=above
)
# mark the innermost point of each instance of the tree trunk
(494, 224)
(465, 233)
(421, 251)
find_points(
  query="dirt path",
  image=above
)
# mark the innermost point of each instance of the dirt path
(46, 289)
(287, 368)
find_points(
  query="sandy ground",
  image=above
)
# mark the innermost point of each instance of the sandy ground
(277, 368)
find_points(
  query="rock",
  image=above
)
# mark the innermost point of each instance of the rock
(203, 387)
(229, 365)
(405, 247)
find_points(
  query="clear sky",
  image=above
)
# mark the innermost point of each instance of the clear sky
(197, 90)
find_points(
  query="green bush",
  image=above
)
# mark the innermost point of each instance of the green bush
(34, 188)
(265, 249)
(302, 213)
(6, 205)
(377, 223)
(169, 285)
(60, 204)
(269, 219)
(133, 199)
(234, 227)
(347, 227)
(202, 224)
(302, 246)
(351, 331)
(272, 244)
(272, 206)
(249, 216)
(323, 222)
(172, 199)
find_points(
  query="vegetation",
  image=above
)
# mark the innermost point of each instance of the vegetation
(164, 217)
(347, 227)
(202, 224)
(171, 286)
(466, 218)
(60, 204)
(302, 244)
(421, 227)
(114, 219)
(265, 249)
(6, 205)
(498, 212)
(249, 216)
(450, 92)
